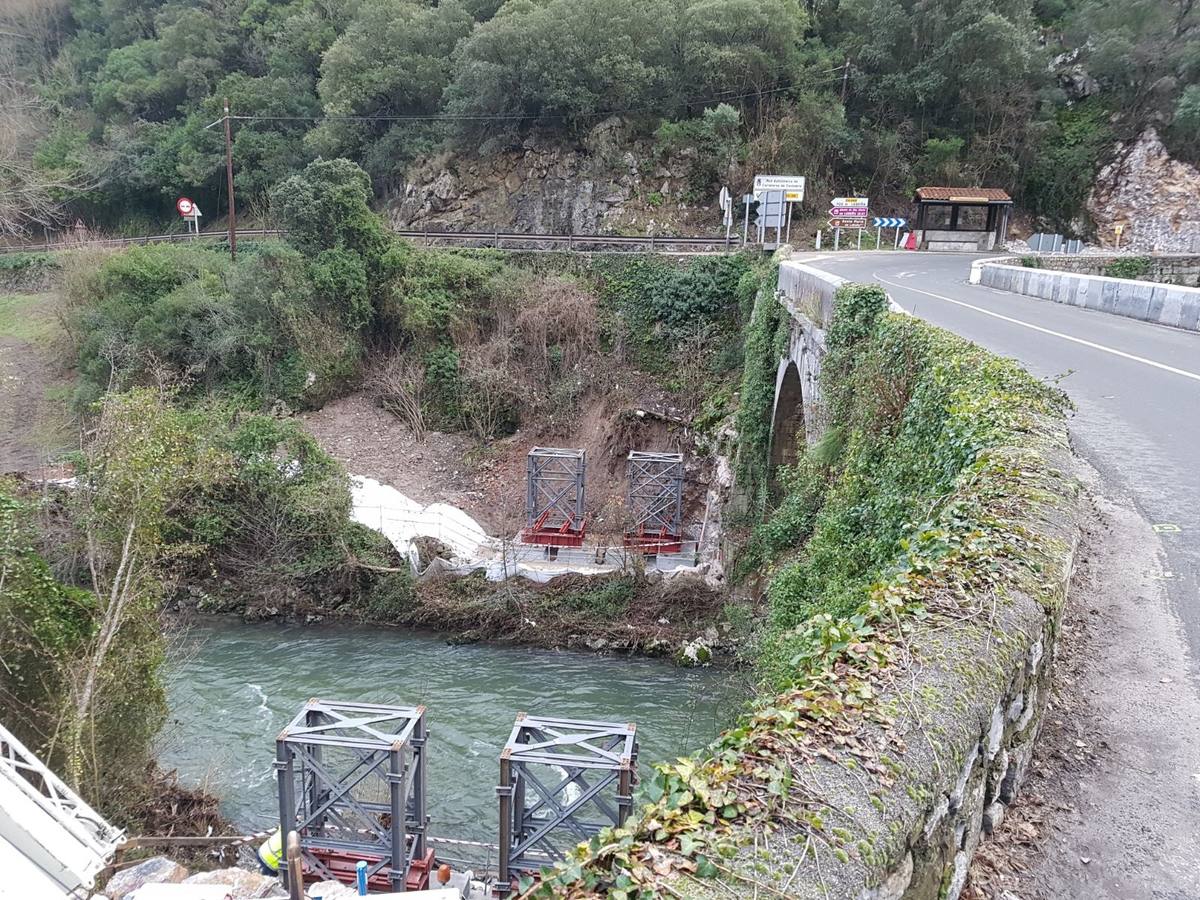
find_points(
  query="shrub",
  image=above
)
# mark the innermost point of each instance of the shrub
(25, 262)
(653, 302)
(339, 281)
(1131, 267)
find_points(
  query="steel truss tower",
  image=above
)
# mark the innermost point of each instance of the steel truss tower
(352, 786)
(561, 781)
(554, 497)
(655, 502)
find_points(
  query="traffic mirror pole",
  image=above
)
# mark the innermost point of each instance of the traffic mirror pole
(229, 182)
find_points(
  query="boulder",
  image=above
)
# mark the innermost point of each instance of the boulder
(158, 870)
(243, 884)
(331, 890)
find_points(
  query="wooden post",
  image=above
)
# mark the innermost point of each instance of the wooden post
(294, 868)
(229, 183)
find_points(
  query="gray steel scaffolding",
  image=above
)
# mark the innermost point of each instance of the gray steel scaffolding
(554, 496)
(655, 500)
(587, 772)
(352, 785)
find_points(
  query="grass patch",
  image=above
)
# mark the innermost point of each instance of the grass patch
(29, 317)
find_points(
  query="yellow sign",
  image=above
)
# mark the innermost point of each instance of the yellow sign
(1118, 228)
(793, 196)
(968, 199)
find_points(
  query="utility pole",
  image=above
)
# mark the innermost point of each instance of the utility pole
(229, 182)
(845, 78)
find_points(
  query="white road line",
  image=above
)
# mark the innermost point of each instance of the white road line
(1066, 337)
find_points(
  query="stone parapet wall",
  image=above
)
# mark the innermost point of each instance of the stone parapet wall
(1164, 304)
(1181, 269)
(966, 719)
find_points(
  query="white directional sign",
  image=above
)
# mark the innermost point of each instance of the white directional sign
(848, 212)
(791, 185)
(723, 200)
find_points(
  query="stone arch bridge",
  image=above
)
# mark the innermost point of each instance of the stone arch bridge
(806, 293)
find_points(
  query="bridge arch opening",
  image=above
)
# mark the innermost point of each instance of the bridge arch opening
(787, 426)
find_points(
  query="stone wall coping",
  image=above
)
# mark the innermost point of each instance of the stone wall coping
(1014, 262)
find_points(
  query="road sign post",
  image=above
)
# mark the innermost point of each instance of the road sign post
(725, 201)
(190, 213)
(882, 222)
(791, 185)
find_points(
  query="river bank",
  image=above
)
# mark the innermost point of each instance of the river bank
(679, 618)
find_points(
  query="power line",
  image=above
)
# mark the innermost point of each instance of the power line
(730, 94)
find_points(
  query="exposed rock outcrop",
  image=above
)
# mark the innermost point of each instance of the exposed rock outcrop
(607, 184)
(1155, 197)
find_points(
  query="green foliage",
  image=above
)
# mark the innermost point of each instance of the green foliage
(761, 360)
(1131, 267)
(870, 93)
(394, 58)
(326, 207)
(443, 379)
(914, 409)
(339, 281)
(607, 601)
(716, 138)
(26, 262)
(1067, 155)
(1185, 124)
(42, 621)
(655, 303)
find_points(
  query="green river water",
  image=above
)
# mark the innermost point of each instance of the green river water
(235, 686)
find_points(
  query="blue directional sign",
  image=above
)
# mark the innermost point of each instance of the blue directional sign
(889, 222)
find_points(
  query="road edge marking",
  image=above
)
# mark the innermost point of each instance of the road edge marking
(1066, 337)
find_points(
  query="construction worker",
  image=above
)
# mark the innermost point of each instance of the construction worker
(270, 853)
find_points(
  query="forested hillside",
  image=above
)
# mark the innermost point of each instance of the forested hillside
(105, 103)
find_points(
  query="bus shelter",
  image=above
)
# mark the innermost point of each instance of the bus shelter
(949, 218)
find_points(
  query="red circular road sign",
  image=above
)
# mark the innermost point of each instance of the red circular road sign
(185, 206)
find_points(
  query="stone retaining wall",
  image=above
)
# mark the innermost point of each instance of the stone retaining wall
(1164, 304)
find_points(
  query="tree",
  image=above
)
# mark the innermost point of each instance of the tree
(34, 190)
(327, 206)
(736, 47)
(563, 62)
(394, 59)
(920, 69)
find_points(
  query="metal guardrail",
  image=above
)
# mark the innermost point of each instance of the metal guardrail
(51, 246)
(500, 240)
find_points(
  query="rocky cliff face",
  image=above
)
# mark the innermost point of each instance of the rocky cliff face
(606, 184)
(1155, 197)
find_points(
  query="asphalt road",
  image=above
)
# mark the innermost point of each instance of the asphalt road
(1136, 387)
